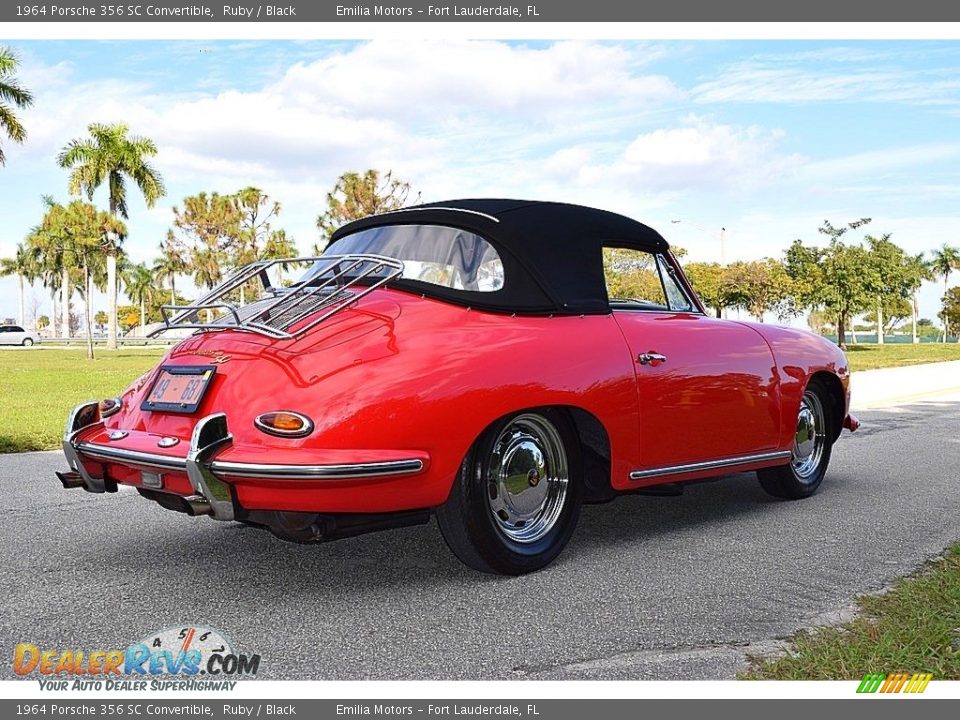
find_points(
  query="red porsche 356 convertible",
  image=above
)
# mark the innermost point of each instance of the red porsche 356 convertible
(495, 363)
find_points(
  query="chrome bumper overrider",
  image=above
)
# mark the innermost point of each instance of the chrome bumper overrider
(209, 436)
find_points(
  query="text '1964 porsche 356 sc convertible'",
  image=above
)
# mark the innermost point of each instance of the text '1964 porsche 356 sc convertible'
(495, 363)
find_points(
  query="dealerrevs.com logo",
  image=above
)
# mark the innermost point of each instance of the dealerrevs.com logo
(175, 658)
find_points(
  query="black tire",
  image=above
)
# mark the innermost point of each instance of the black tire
(507, 543)
(27, 342)
(802, 476)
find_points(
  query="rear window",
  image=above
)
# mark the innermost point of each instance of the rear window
(434, 254)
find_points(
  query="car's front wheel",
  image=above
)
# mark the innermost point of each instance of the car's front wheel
(27, 342)
(517, 496)
(812, 444)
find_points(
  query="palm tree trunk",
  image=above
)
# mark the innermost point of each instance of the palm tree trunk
(20, 317)
(111, 300)
(946, 321)
(916, 311)
(65, 302)
(841, 331)
(143, 317)
(879, 322)
(88, 289)
(173, 289)
(53, 313)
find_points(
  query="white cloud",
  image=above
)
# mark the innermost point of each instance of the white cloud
(703, 155)
(794, 80)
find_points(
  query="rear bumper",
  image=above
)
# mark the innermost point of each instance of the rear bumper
(208, 489)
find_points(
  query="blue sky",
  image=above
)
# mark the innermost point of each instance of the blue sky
(765, 138)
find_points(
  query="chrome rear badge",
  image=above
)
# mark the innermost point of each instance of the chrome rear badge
(217, 357)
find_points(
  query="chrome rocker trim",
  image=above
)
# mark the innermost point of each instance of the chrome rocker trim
(710, 465)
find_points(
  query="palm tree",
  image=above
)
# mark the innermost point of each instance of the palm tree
(23, 267)
(172, 262)
(944, 261)
(110, 156)
(12, 93)
(206, 270)
(138, 284)
(48, 244)
(86, 229)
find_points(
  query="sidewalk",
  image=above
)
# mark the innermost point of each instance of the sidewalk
(897, 386)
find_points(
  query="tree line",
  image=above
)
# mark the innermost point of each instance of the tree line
(834, 282)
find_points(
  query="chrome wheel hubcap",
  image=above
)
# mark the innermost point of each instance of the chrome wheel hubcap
(527, 479)
(810, 439)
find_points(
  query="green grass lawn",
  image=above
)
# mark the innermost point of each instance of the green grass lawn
(870, 357)
(38, 388)
(913, 628)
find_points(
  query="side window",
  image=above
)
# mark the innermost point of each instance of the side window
(640, 280)
(633, 279)
(676, 297)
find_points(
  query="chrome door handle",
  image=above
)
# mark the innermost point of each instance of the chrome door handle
(651, 357)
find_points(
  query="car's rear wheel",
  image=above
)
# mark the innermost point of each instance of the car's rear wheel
(812, 444)
(27, 342)
(517, 496)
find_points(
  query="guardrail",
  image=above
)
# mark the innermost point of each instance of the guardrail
(131, 341)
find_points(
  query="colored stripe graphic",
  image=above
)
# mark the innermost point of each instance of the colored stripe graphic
(894, 683)
(871, 682)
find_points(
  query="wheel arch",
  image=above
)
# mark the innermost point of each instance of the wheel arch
(837, 396)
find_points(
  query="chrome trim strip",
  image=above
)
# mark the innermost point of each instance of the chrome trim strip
(319, 472)
(710, 464)
(101, 452)
(449, 209)
(254, 470)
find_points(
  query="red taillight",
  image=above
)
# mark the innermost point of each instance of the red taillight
(108, 407)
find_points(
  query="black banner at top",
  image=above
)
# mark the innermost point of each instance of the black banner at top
(578, 11)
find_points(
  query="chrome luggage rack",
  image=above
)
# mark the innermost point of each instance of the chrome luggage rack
(338, 283)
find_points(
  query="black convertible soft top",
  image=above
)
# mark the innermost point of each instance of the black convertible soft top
(551, 252)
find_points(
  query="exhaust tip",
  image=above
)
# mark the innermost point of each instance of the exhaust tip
(70, 479)
(197, 505)
(193, 505)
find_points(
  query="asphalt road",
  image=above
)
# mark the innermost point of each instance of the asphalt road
(649, 588)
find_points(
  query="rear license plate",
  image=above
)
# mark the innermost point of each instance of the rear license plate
(179, 388)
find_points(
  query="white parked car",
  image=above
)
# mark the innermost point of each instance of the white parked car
(16, 335)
